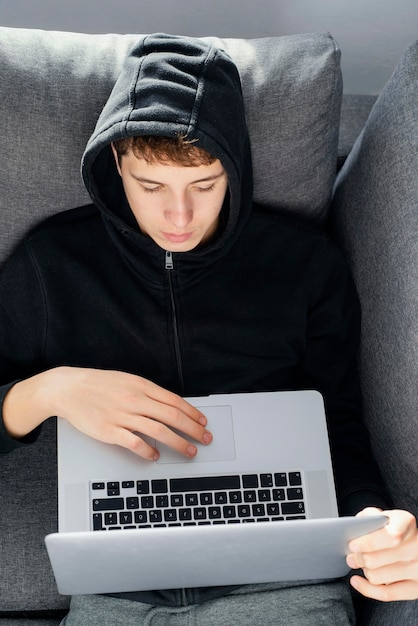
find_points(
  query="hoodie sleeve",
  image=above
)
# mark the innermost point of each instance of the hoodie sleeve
(330, 364)
(22, 332)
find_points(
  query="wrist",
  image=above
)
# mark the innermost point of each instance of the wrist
(28, 403)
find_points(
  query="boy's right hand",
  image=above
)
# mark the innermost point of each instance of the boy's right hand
(111, 406)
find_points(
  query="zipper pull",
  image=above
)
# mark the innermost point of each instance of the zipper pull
(169, 265)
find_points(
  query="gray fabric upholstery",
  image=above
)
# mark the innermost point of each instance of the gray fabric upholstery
(376, 214)
(28, 488)
(53, 87)
(355, 110)
(292, 91)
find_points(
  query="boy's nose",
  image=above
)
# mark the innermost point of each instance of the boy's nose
(179, 214)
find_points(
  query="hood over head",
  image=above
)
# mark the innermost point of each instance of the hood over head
(172, 85)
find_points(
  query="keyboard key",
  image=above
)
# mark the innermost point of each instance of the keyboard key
(235, 497)
(159, 486)
(140, 517)
(264, 495)
(97, 486)
(109, 504)
(125, 518)
(177, 500)
(155, 517)
(279, 494)
(206, 498)
(250, 496)
(280, 479)
(97, 521)
(295, 493)
(295, 478)
(293, 508)
(250, 481)
(142, 486)
(185, 515)
(206, 483)
(113, 489)
(266, 480)
(170, 515)
(273, 509)
(258, 510)
(132, 503)
(128, 484)
(244, 510)
(191, 499)
(110, 519)
(229, 511)
(147, 502)
(215, 512)
(161, 501)
(199, 513)
(221, 497)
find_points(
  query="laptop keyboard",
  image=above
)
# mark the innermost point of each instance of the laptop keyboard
(229, 499)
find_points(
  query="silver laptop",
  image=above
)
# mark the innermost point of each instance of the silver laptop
(256, 505)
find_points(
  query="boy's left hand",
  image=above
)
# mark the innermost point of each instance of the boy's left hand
(388, 558)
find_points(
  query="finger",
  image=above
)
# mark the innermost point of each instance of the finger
(403, 590)
(167, 436)
(168, 415)
(400, 528)
(126, 439)
(403, 553)
(392, 573)
(169, 398)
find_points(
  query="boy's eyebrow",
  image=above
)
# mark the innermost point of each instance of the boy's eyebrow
(206, 179)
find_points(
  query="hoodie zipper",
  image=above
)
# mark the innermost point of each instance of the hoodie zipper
(169, 266)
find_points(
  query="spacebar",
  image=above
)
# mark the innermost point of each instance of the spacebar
(205, 483)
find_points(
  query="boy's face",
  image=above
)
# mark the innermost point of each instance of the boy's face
(178, 207)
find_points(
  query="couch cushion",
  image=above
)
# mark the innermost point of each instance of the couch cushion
(355, 110)
(28, 489)
(53, 88)
(292, 92)
(376, 216)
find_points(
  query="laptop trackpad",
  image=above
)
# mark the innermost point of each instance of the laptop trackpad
(222, 447)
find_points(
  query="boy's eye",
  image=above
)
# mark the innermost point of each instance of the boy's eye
(203, 189)
(155, 188)
(151, 189)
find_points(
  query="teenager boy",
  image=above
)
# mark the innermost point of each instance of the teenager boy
(173, 283)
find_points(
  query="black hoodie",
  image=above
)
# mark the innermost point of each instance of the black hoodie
(171, 86)
(267, 305)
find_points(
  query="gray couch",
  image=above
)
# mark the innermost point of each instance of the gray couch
(53, 87)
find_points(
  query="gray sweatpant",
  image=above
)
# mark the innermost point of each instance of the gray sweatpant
(288, 604)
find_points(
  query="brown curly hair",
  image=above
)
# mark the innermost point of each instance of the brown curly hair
(153, 149)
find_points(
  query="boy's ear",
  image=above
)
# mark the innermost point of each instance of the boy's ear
(116, 157)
